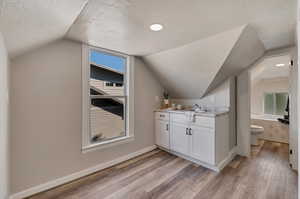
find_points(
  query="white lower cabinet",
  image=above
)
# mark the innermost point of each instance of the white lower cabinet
(193, 141)
(202, 144)
(179, 140)
(162, 135)
(204, 140)
(162, 130)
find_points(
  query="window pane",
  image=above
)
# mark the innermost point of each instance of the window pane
(109, 84)
(107, 73)
(119, 84)
(107, 119)
(281, 102)
(112, 62)
(269, 103)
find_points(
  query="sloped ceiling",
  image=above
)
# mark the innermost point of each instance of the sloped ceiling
(245, 52)
(123, 25)
(26, 24)
(187, 71)
(202, 43)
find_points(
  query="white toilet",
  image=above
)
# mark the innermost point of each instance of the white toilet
(255, 132)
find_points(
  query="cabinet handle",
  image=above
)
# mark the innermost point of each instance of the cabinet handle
(186, 131)
(161, 115)
(167, 127)
(190, 131)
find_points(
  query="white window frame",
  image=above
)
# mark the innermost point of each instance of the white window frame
(129, 93)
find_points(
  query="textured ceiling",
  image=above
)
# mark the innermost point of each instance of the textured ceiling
(123, 25)
(27, 24)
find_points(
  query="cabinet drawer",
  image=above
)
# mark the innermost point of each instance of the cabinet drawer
(204, 121)
(179, 118)
(162, 116)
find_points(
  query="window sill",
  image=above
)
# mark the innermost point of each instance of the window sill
(107, 144)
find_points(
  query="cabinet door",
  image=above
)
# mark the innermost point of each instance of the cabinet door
(203, 144)
(162, 135)
(179, 140)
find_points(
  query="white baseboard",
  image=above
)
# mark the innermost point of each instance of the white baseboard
(198, 162)
(74, 176)
(217, 168)
(228, 159)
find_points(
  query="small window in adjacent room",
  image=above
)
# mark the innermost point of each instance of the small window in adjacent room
(275, 103)
(107, 88)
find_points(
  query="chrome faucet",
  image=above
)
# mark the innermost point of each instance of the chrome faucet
(196, 107)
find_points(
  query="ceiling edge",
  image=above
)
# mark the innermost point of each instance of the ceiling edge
(239, 57)
(75, 19)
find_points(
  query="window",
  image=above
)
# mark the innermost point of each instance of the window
(109, 84)
(112, 84)
(106, 97)
(119, 84)
(275, 103)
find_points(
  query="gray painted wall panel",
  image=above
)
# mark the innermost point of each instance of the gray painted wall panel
(46, 124)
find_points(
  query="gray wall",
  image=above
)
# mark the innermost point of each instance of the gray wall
(46, 115)
(217, 98)
(4, 115)
(243, 92)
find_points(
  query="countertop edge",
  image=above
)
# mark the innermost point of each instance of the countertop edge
(206, 114)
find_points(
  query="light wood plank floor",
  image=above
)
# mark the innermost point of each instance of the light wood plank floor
(266, 175)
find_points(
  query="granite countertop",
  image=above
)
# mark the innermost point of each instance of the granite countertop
(205, 114)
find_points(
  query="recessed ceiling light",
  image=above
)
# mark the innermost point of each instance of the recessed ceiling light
(156, 27)
(279, 65)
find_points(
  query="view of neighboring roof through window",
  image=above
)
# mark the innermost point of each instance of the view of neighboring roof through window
(115, 63)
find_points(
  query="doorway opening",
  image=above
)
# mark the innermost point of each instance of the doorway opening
(273, 101)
